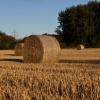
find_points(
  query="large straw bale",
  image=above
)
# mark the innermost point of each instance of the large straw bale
(80, 47)
(41, 49)
(19, 49)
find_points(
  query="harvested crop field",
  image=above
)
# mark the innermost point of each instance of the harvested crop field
(75, 77)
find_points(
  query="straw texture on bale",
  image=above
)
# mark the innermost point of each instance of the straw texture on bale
(41, 49)
(80, 47)
(19, 49)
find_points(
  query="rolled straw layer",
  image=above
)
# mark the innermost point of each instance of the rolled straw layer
(41, 48)
(19, 49)
(80, 47)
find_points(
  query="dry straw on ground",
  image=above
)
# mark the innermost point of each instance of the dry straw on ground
(49, 81)
(40, 49)
(19, 49)
(80, 47)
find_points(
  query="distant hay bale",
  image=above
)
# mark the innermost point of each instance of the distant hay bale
(19, 49)
(41, 49)
(80, 47)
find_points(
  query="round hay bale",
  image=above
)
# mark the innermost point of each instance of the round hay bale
(41, 49)
(19, 49)
(80, 47)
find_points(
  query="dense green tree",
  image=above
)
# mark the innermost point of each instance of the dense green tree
(6, 41)
(80, 24)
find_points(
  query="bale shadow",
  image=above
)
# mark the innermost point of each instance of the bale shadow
(80, 61)
(10, 54)
(12, 60)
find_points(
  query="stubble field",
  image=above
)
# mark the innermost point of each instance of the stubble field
(75, 77)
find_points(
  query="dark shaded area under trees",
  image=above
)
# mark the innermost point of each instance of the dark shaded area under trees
(80, 25)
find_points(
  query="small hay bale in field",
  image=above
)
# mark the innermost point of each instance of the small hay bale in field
(19, 49)
(41, 49)
(80, 47)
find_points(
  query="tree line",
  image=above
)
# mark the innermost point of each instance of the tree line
(80, 25)
(7, 41)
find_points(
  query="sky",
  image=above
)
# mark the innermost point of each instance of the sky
(26, 17)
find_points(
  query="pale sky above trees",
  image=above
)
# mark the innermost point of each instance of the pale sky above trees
(32, 16)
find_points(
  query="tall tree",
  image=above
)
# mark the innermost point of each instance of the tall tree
(80, 24)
